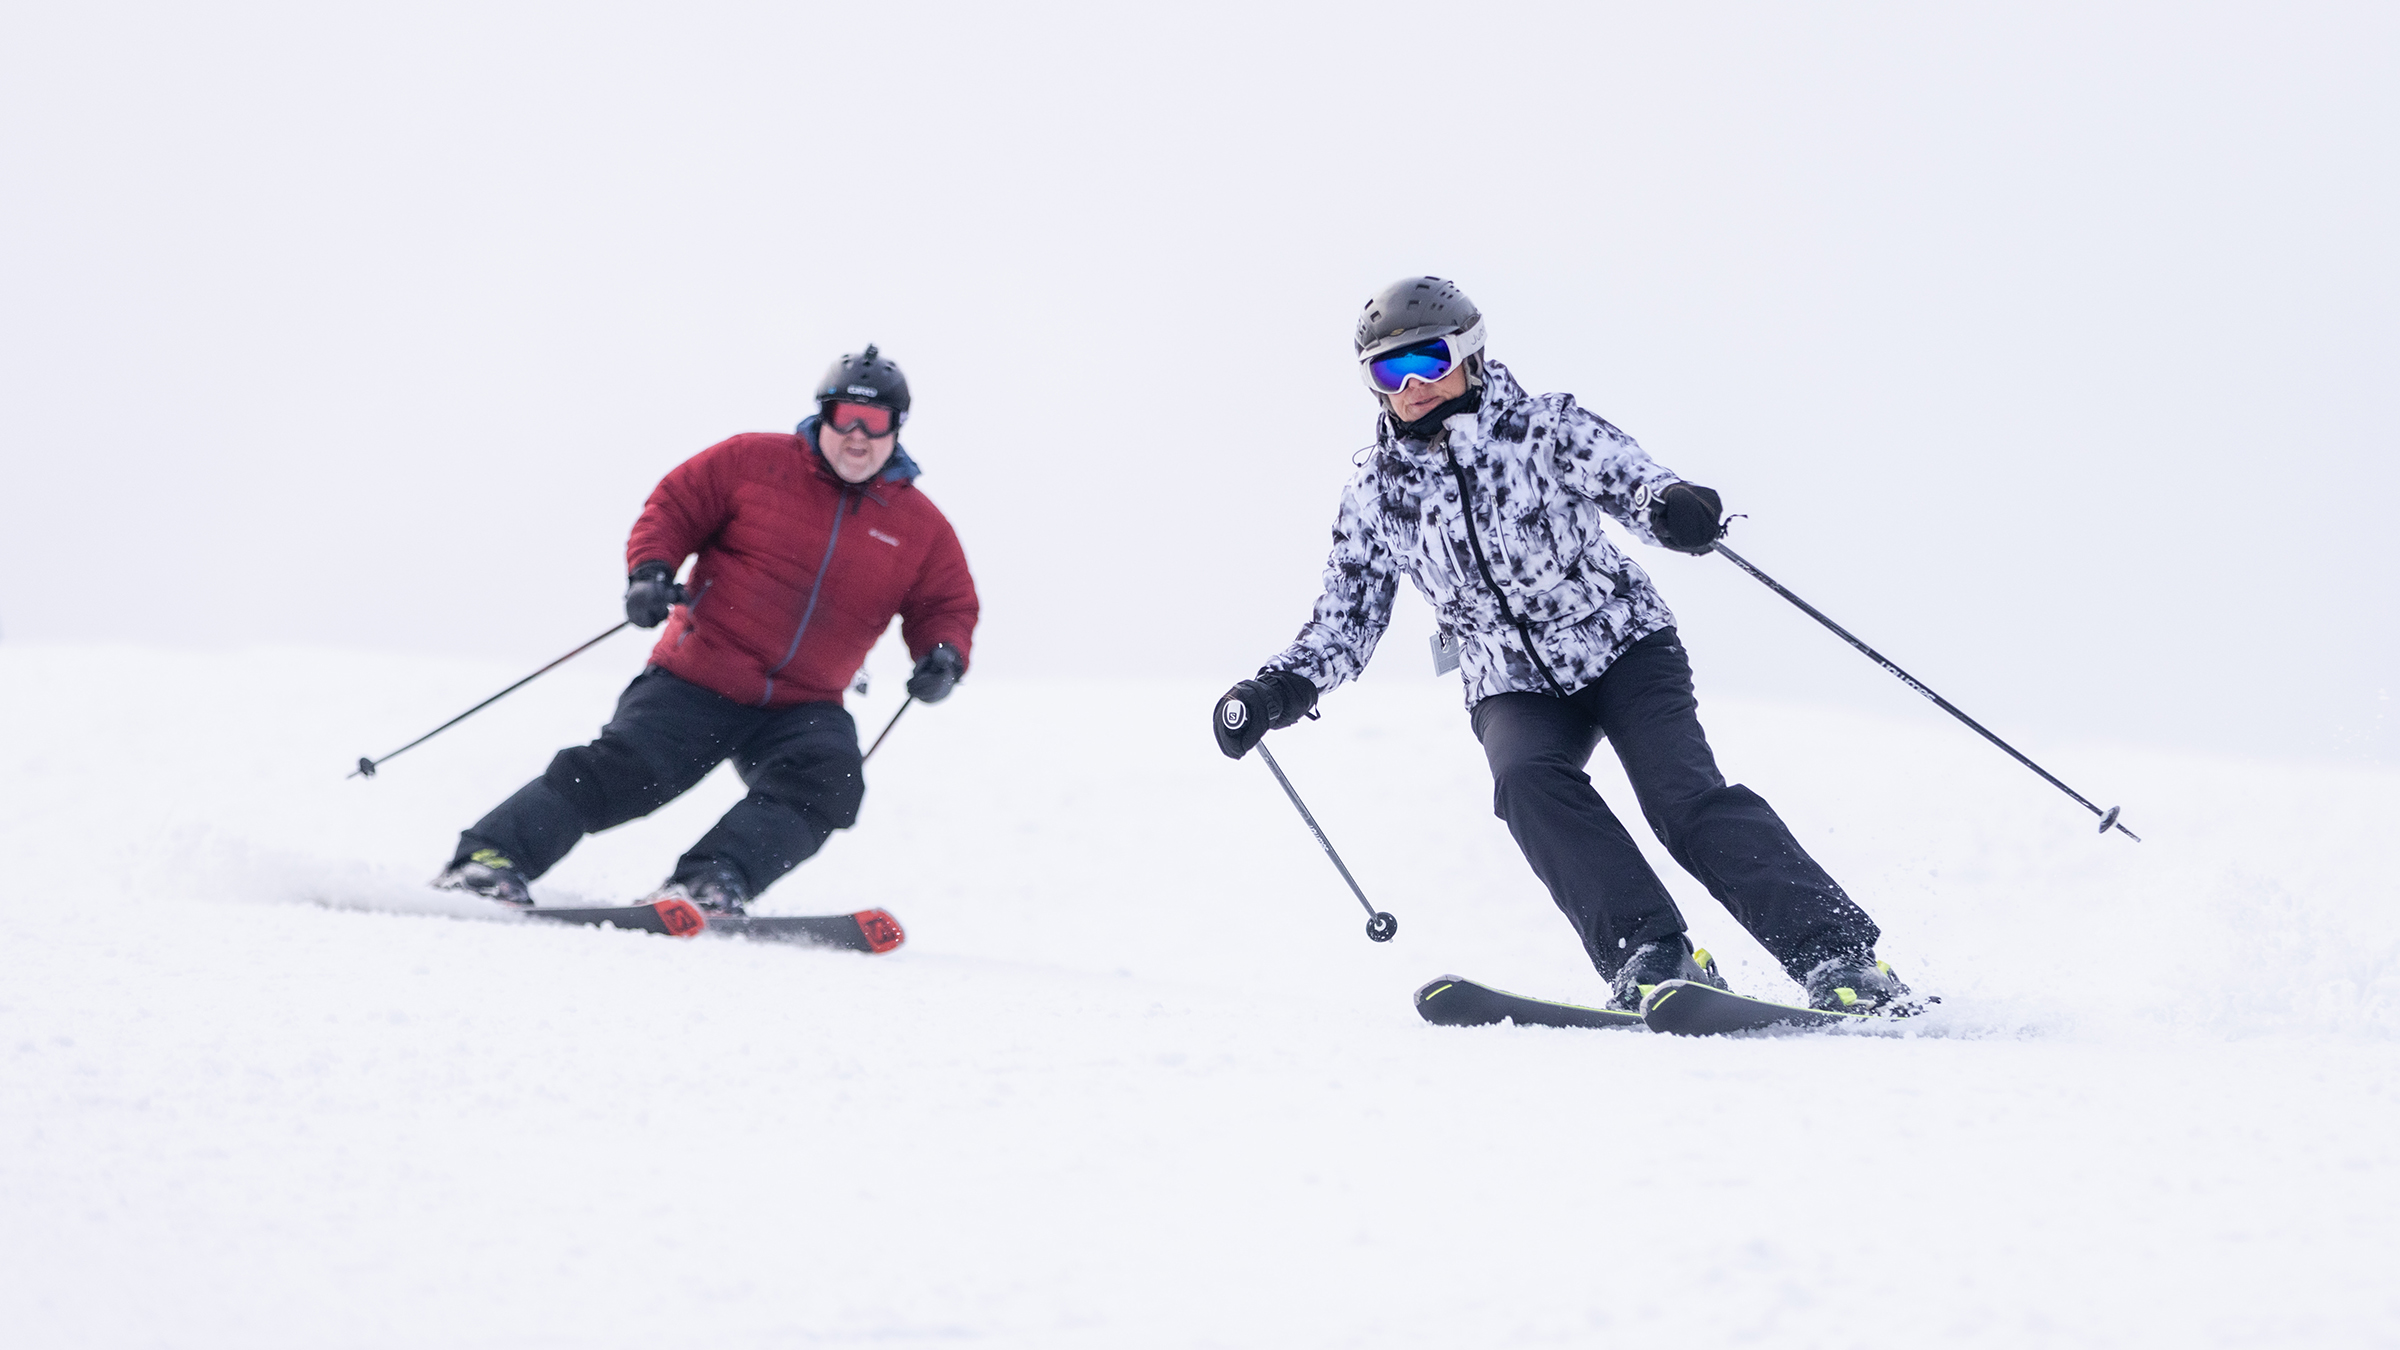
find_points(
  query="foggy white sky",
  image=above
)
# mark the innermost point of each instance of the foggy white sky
(2051, 347)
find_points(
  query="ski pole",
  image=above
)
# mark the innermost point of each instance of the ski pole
(366, 767)
(887, 729)
(2108, 818)
(1380, 924)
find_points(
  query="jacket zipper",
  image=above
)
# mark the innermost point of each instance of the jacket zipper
(811, 611)
(1466, 503)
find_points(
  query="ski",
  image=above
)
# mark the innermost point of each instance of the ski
(1683, 1008)
(1454, 1002)
(675, 918)
(869, 930)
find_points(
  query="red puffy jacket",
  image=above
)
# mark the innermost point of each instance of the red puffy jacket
(799, 572)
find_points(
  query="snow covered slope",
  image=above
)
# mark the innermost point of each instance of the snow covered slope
(1138, 1078)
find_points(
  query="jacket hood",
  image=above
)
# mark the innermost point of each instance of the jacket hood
(899, 469)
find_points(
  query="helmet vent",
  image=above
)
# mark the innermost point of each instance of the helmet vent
(1426, 306)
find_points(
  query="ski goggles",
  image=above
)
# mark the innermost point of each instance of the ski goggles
(1389, 372)
(866, 417)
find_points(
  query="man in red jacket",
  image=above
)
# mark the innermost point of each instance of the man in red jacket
(809, 545)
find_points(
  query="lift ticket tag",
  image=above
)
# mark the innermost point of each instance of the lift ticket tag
(1445, 653)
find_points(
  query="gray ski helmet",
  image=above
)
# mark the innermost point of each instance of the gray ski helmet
(865, 377)
(1411, 310)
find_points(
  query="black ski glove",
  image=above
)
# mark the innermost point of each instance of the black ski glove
(937, 674)
(1684, 517)
(649, 593)
(1251, 709)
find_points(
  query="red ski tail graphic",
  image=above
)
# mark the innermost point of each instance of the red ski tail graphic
(880, 929)
(680, 918)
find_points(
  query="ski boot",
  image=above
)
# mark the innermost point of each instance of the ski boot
(715, 887)
(1653, 964)
(1858, 983)
(489, 873)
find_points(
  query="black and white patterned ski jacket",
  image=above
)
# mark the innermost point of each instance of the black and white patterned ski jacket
(1497, 520)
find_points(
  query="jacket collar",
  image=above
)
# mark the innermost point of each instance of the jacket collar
(1501, 395)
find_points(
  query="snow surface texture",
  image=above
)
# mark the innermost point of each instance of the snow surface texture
(1138, 1078)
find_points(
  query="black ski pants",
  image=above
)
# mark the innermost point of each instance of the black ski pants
(800, 763)
(1724, 834)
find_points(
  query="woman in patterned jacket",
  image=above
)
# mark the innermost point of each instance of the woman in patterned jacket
(1491, 499)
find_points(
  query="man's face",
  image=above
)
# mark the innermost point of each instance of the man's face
(855, 455)
(1418, 398)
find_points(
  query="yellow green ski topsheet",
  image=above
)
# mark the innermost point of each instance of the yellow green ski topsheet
(1683, 1008)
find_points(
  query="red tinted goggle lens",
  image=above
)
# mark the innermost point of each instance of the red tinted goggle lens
(866, 417)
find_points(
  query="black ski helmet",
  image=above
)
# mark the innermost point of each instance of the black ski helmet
(1412, 310)
(865, 377)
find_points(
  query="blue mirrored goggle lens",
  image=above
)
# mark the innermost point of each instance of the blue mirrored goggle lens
(1426, 361)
